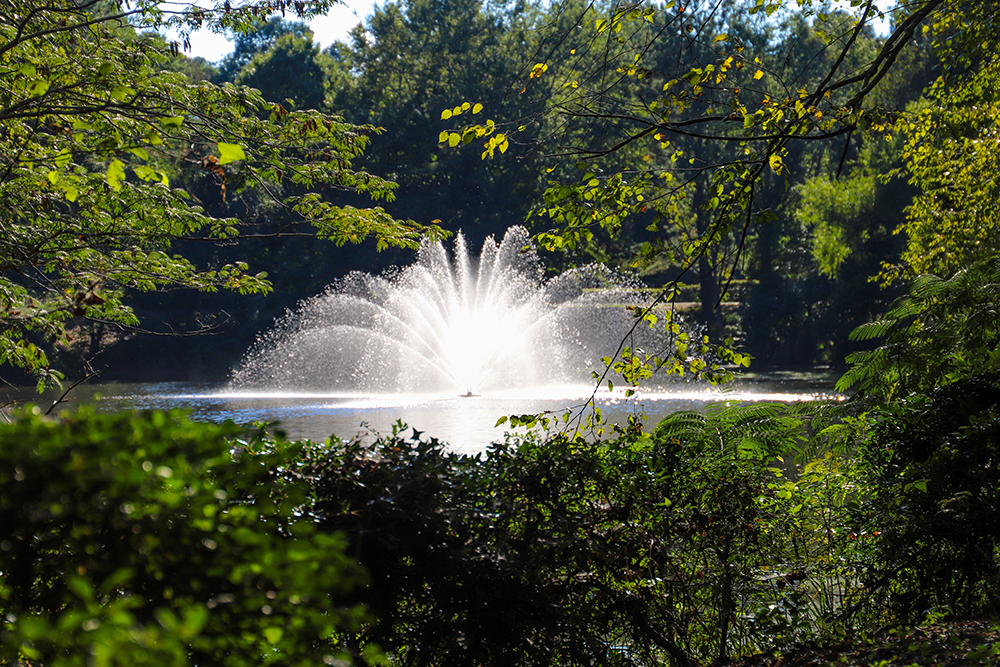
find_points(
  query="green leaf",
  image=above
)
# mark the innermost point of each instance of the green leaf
(63, 158)
(122, 93)
(39, 87)
(81, 587)
(230, 153)
(172, 121)
(147, 173)
(115, 174)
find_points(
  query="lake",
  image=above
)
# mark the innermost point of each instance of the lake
(466, 423)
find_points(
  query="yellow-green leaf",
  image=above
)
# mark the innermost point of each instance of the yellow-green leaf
(477, 108)
(230, 153)
(63, 158)
(776, 164)
(454, 138)
(121, 93)
(115, 174)
(446, 114)
(38, 87)
(443, 137)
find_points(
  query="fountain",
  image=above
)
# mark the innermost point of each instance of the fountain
(448, 345)
(448, 324)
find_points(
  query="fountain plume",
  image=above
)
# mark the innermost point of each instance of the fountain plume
(447, 323)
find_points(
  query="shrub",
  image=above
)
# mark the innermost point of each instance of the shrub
(667, 547)
(935, 465)
(133, 539)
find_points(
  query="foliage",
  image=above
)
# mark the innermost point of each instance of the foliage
(288, 70)
(708, 109)
(935, 479)
(679, 546)
(622, 74)
(952, 156)
(409, 60)
(836, 212)
(928, 438)
(258, 39)
(942, 331)
(816, 285)
(670, 136)
(93, 127)
(155, 540)
(150, 539)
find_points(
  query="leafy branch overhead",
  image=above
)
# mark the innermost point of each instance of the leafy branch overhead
(96, 130)
(643, 76)
(651, 115)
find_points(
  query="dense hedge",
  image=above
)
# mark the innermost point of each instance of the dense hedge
(150, 539)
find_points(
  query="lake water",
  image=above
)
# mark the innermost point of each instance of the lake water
(466, 423)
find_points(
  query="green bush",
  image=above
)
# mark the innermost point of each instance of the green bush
(681, 546)
(935, 465)
(133, 539)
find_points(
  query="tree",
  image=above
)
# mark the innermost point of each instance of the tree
(952, 156)
(93, 125)
(288, 70)
(398, 70)
(149, 539)
(754, 107)
(838, 232)
(259, 38)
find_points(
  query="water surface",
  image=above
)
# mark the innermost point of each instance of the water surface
(467, 423)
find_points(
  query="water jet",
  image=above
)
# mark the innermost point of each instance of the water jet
(449, 322)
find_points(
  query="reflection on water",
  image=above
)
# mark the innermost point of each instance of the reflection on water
(466, 423)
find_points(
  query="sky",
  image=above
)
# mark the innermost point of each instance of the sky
(326, 30)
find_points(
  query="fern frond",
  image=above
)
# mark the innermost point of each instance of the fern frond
(871, 330)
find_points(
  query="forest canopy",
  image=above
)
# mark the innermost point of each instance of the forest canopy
(100, 136)
(787, 161)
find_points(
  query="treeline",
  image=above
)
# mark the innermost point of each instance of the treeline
(804, 277)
